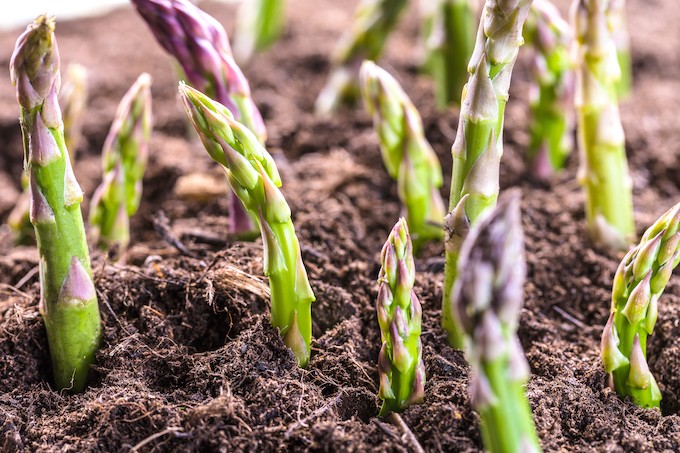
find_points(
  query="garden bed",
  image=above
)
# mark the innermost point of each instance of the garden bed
(189, 361)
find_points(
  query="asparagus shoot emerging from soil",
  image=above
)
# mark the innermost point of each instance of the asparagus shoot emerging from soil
(201, 46)
(618, 25)
(604, 168)
(373, 22)
(252, 173)
(68, 300)
(72, 100)
(449, 30)
(124, 158)
(551, 97)
(258, 26)
(400, 363)
(488, 298)
(478, 147)
(408, 156)
(638, 284)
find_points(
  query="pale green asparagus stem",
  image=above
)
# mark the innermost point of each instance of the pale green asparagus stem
(449, 30)
(638, 285)
(124, 158)
(408, 156)
(604, 168)
(618, 26)
(72, 99)
(488, 298)
(68, 300)
(258, 26)
(373, 22)
(400, 362)
(478, 147)
(551, 96)
(253, 175)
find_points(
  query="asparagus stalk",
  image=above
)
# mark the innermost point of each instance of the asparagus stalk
(488, 298)
(618, 26)
(604, 168)
(124, 157)
(252, 173)
(68, 300)
(72, 99)
(400, 363)
(373, 22)
(407, 155)
(200, 45)
(258, 26)
(551, 91)
(638, 285)
(478, 147)
(449, 32)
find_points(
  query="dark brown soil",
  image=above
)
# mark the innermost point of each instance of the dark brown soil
(189, 360)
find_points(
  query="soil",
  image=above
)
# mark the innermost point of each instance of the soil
(189, 361)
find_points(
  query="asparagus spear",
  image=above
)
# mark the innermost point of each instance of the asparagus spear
(68, 300)
(618, 25)
(638, 285)
(408, 156)
(258, 26)
(373, 22)
(449, 31)
(400, 363)
(478, 147)
(124, 158)
(252, 173)
(72, 99)
(552, 87)
(604, 168)
(488, 298)
(201, 46)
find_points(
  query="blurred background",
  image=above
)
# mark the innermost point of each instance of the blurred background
(23, 12)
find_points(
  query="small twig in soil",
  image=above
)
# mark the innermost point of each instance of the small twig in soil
(408, 435)
(162, 226)
(151, 438)
(569, 317)
(317, 413)
(27, 277)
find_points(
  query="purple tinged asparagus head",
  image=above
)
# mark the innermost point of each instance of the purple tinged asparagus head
(400, 365)
(201, 46)
(488, 298)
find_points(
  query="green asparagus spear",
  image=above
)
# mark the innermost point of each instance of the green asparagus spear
(604, 168)
(488, 298)
(258, 26)
(449, 30)
(638, 285)
(478, 147)
(68, 300)
(373, 22)
(252, 173)
(124, 158)
(72, 99)
(618, 26)
(408, 156)
(201, 46)
(551, 102)
(400, 362)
